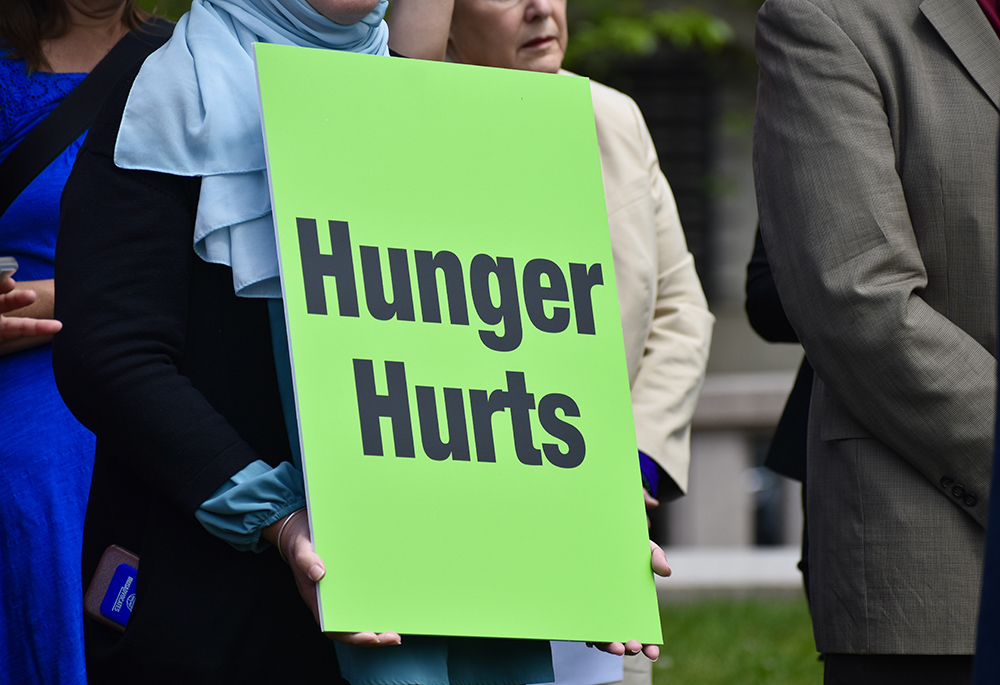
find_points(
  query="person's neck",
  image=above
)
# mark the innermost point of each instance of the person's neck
(94, 27)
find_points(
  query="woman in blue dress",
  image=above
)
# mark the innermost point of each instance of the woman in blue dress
(46, 456)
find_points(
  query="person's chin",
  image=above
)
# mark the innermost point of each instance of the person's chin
(344, 13)
(549, 62)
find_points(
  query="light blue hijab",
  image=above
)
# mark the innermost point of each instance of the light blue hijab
(193, 111)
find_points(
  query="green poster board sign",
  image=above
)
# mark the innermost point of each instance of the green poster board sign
(459, 369)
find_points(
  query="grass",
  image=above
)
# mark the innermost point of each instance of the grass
(742, 641)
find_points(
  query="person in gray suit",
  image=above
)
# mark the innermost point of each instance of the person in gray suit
(875, 154)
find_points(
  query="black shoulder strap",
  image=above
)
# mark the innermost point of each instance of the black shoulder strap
(73, 116)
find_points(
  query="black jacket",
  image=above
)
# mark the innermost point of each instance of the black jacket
(175, 375)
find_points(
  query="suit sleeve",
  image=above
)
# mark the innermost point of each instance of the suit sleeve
(672, 368)
(845, 256)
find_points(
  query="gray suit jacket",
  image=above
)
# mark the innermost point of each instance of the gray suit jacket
(875, 155)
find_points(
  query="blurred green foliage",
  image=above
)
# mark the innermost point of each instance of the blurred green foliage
(171, 9)
(606, 29)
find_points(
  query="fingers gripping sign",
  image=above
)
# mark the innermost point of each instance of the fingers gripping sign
(658, 561)
(292, 538)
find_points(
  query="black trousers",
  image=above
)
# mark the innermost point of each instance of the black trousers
(896, 669)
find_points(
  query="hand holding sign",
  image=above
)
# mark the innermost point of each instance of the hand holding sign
(658, 560)
(291, 535)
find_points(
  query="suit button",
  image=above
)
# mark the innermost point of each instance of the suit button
(946, 482)
(958, 491)
(970, 500)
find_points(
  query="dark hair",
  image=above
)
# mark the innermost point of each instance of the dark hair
(24, 24)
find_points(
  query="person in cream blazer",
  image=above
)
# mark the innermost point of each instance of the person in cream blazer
(665, 319)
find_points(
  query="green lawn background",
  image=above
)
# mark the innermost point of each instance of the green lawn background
(756, 640)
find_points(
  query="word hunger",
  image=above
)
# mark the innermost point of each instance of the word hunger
(543, 284)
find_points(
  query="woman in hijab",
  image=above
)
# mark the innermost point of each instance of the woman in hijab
(167, 225)
(173, 353)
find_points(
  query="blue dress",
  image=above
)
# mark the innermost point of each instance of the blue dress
(46, 456)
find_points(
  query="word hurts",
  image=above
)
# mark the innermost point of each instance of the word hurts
(395, 406)
(542, 282)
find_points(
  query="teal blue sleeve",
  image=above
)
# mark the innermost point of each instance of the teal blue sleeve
(250, 501)
(259, 495)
